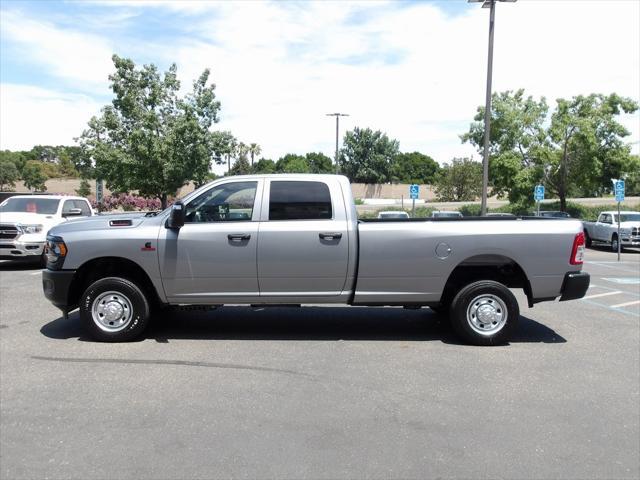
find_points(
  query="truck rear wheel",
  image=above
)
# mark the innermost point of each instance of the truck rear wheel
(484, 313)
(114, 309)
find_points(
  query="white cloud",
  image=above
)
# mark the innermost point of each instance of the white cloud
(413, 72)
(35, 116)
(81, 60)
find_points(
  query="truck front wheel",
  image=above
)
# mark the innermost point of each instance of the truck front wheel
(114, 309)
(484, 313)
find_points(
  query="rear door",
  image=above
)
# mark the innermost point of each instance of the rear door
(212, 258)
(304, 244)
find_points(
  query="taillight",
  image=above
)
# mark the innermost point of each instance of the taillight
(577, 252)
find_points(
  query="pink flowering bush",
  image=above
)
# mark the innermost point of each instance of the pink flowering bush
(126, 202)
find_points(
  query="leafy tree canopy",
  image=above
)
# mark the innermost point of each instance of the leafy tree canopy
(415, 167)
(368, 156)
(574, 151)
(150, 139)
(8, 175)
(459, 181)
(33, 176)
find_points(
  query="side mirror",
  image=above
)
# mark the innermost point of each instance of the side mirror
(176, 217)
(72, 212)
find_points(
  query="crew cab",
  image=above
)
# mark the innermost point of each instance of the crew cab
(605, 229)
(26, 219)
(296, 239)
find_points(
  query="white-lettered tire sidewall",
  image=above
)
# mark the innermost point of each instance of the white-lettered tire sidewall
(139, 303)
(460, 304)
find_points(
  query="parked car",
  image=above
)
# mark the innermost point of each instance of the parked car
(300, 241)
(500, 214)
(446, 214)
(554, 214)
(393, 214)
(26, 219)
(605, 229)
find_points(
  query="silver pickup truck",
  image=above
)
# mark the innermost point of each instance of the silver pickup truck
(296, 239)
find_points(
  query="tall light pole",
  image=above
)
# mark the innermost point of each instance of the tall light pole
(487, 108)
(337, 115)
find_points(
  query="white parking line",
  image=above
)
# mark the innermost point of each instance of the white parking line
(627, 304)
(606, 294)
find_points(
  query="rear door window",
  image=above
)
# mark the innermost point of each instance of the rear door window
(291, 200)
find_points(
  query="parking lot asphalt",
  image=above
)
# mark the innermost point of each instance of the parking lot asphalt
(324, 392)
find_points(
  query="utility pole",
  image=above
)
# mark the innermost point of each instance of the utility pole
(337, 115)
(491, 4)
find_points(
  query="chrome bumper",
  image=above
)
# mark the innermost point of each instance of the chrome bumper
(14, 249)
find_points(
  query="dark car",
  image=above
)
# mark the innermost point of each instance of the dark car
(554, 214)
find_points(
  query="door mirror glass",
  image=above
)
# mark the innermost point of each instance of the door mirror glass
(176, 217)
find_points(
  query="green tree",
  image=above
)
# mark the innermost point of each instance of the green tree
(150, 139)
(254, 151)
(415, 167)
(84, 190)
(19, 159)
(368, 156)
(241, 167)
(34, 176)
(8, 175)
(574, 152)
(264, 166)
(292, 163)
(460, 181)
(319, 163)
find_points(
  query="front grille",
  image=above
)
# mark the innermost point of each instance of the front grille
(8, 232)
(635, 231)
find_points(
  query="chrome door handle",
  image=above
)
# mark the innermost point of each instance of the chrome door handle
(330, 236)
(238, 237)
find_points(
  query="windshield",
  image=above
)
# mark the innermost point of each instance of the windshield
(45, 206)
(627, 217)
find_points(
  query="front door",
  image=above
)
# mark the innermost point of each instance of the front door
(212, 258)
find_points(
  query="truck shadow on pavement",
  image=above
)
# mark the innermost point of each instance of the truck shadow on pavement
(302, 323)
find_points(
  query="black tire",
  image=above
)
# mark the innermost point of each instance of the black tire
(114, 309)
(498, 307)
(614, 243)
(587, 240)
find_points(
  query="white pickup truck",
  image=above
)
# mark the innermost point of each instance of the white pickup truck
(605, 230)
(26, 219)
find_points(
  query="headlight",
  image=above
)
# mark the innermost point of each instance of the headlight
(56, 251)
(30, 228)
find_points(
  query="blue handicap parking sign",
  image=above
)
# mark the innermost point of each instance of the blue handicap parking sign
(538, 193)
(620, 191)
(414, 191)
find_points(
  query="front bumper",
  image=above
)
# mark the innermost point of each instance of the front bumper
(627, 241)
(575, 285)
(14, 249)
(56, 285)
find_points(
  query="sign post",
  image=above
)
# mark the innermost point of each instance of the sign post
(538, 196)
(619, 191)
(414, 191)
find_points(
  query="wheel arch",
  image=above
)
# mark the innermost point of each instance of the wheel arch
(497, 267)
(103, 267)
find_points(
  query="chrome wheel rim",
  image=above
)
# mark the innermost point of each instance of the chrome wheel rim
(614, 245)
(487, 314)
(112, 311)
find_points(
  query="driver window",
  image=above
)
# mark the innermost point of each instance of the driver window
(230, 202)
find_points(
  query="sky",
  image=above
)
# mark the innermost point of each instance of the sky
(413, 69)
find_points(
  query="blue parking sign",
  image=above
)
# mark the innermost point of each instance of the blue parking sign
(538, 193)
(620, 191)
(414, 191)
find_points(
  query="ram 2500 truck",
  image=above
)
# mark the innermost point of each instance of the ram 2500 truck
(296, 239)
